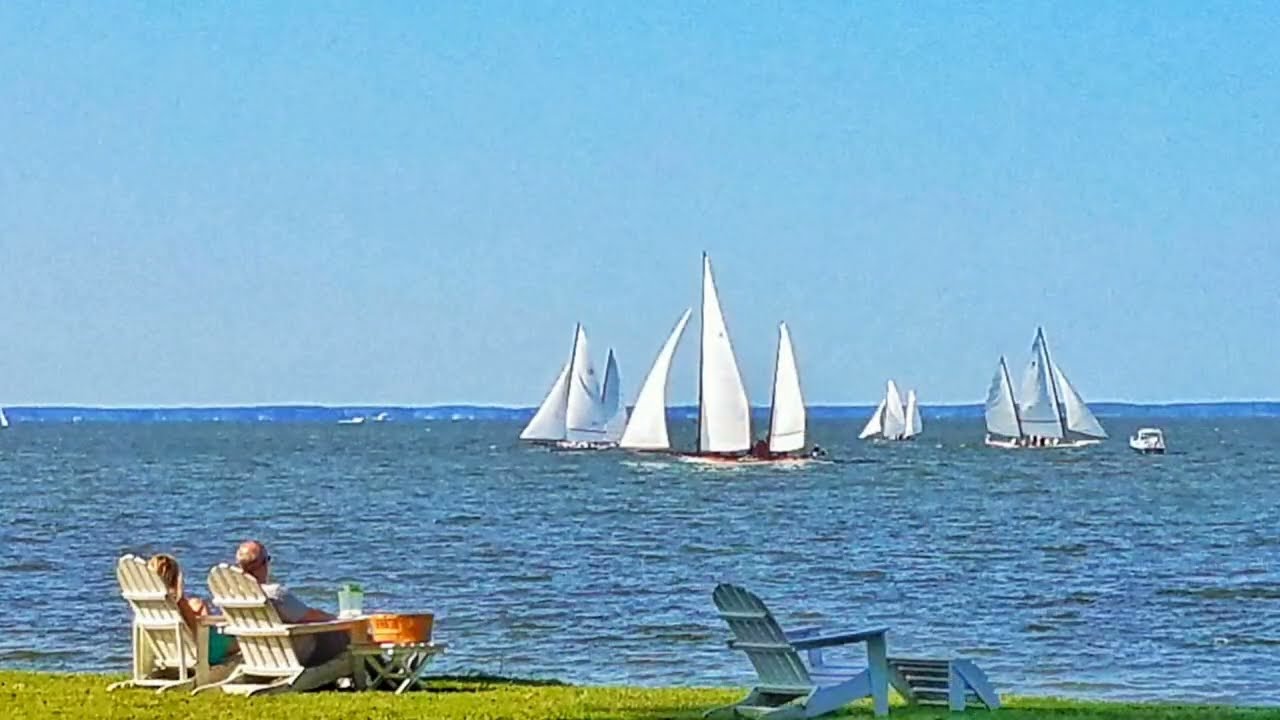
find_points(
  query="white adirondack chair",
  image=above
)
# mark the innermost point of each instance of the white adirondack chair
(269, 661)
(787, 688)
(166, 653)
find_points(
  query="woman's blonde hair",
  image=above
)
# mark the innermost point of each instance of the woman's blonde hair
(166, 566)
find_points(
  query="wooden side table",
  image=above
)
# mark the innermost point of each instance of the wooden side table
(398, 664)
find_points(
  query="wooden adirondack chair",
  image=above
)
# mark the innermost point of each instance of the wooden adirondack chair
(167, 654)
(270, 660)
(787, 688)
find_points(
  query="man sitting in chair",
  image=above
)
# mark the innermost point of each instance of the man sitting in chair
(313, 650)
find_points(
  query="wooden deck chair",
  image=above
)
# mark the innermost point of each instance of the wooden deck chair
(269, 662)
(167, 654)
(786, 687)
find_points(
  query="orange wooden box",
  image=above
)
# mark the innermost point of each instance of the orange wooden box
(397, 628)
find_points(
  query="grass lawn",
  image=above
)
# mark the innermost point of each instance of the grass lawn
(26, 695)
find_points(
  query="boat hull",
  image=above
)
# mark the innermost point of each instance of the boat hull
(729, 461)
(1060, 445)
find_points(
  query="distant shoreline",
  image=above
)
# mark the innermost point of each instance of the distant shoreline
(301, 413)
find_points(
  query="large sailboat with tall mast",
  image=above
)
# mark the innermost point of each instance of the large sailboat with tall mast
(1045, 412)
(724, 414)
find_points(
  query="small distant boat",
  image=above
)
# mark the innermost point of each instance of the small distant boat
(1050, 413)
(1148, 441)
(380, 417)
(891, 421)
(357, 420)
(4, 421)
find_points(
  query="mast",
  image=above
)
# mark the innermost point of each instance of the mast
(1017, 417)
(1053, 381)
(702, 337)
(773, 391)
(573, 356)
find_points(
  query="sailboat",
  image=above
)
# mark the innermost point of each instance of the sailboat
(891, 421)
(570, 416)
(1047, 412)
(4, 421)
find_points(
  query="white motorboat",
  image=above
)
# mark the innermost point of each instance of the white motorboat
(1148, 441)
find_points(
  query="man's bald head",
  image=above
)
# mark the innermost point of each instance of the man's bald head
(253, 559)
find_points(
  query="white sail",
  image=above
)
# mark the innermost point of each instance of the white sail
(895, 421)
(1079, 418)
(647, 428)
(875, 424)
(914, 424)
(583, 421)
(786, 418)
(724, 417)
(611, 407)
(548, 422)
(1038, 409)
(1002, 412)
(4, 421)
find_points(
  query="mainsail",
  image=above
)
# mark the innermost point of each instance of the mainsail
(786, 418)
(895, 421)
(647, 428)
(4, 421)
(1038, 408)
(724, 418)
(1002, 411)
(611, 407)
(914, 424)
(548, 422)
(583, 420)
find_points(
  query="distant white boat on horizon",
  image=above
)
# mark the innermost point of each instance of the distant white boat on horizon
(357, 420)
(1047, 412)
(891, 419)
(4, 421)
(1148, 441)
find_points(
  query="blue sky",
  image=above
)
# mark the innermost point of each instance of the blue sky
(349, 202)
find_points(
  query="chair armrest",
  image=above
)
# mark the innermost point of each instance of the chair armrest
(803, 632)
(320, 627)
(839, 638)
(294, 630)
(212, 620)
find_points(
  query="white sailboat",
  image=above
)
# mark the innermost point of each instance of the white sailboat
(1047, 412)
(4, 421)
(891, 421)
(647, 428)
(571, 414)
(612, 409)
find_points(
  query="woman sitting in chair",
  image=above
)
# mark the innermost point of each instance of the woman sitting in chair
(192, 608)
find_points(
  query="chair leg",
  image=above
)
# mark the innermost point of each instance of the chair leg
(878, 673)
(176, 685)
(235, 675)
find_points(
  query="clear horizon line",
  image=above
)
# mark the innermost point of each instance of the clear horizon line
(504, 406)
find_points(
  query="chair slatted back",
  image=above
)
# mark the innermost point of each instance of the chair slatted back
(264, 639)
(156, 615)
(758, 634)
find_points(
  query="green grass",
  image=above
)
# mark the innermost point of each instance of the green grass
(38, 696)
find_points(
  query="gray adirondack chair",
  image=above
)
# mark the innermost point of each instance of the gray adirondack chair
(787, 687)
